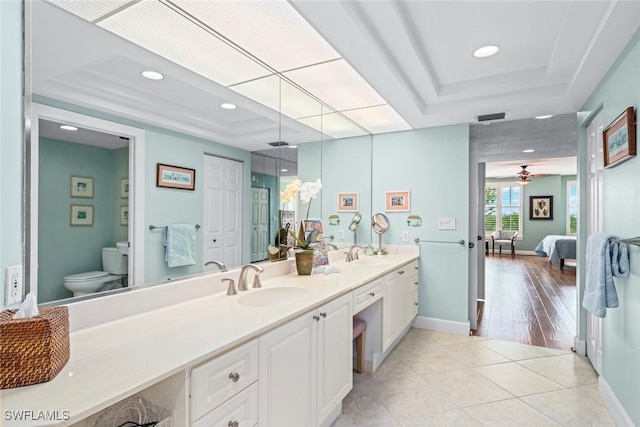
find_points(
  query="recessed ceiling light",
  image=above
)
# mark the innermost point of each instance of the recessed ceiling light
(544, 117)
(228, 106)
(486, 51)
(68, 127)
(284, 170)
(293, 146)
(152, 75)
(530, 150)
(486, 123)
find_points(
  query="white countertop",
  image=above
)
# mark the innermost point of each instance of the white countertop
(117, 359)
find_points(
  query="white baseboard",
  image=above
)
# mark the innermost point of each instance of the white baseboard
(615, 408)
(460, 328)
(580, 346)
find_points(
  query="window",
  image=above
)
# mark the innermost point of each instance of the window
(502, 207)
(572, 208)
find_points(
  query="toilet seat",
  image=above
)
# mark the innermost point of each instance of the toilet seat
(88, 276)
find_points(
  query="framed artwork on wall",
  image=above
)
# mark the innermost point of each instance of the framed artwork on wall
(347, 202)
(619, 139)
(175, 177)
(81, 186)
(124, 188)
(81, 215)
(397, 201)
(540, 207)
(124, 215)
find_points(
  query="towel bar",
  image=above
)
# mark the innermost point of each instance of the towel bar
(153, 227)
(459, 242)
(632, 241)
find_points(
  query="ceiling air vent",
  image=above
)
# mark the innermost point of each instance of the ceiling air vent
(278, 143)
(490, 117)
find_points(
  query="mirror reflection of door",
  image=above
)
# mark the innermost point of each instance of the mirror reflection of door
(259, 223)
(83, 211)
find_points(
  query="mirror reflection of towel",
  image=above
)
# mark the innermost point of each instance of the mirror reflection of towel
(180, 244)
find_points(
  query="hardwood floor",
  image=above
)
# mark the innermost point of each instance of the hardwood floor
(528, 301)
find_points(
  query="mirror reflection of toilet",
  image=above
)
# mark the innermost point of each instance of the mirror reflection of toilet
(115, 266)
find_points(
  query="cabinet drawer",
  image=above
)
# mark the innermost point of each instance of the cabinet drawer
(217, 380)
(241, 409)
(366, 295)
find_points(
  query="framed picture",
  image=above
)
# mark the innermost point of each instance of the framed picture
(619, 139)
(81, 215)
(81, 186)
(540, 207)
(347, 202)
(176, 177)
(124, 188)
(397, 201)
(124, 215)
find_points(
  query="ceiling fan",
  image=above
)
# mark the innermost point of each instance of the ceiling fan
(524, 175)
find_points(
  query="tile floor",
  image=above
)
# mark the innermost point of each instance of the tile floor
(437, 379)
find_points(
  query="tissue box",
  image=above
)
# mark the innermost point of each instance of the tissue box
(33, 350)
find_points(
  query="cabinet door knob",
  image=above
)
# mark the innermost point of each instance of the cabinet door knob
(233, 424)
(234, 376)
(323, 314)
(372, 294)
(415, 283)
(215, 240)
(401, 272)
(316, 317)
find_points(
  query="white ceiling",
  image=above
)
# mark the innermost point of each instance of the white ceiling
(49, 129)
(417, 56)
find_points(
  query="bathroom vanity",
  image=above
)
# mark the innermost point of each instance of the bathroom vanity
(276, 356)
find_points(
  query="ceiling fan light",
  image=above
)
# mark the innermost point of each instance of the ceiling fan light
(524, 182)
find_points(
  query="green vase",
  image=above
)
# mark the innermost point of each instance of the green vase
(304, 262)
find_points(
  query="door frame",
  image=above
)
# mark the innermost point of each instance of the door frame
(136, 234)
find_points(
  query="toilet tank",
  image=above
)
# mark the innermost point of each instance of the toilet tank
(113, 262)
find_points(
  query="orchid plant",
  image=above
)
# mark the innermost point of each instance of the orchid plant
(308, 191)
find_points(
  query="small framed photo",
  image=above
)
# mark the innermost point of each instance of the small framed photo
(619, 139)
(397, 201)
(124, 215)
(176, 177)
(81, 186)
(540, 207)
(81, 215)
(124, 188)
(347, 202)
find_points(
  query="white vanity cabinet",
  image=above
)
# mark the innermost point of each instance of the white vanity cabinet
(223, 390)
(305, 366)
(399, 305)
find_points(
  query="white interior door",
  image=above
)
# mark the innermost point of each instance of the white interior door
(594, 225)
(222, 218)
(259, 223)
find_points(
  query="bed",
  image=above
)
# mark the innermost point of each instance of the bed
(557, 248)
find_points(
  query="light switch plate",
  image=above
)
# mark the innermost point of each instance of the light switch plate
(446, 223)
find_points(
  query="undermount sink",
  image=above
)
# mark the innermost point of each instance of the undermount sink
(373, 262)
(272, 296)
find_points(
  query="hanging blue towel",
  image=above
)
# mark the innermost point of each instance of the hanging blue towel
(605, 259)
(180, 244)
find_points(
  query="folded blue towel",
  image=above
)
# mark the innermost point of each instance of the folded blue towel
(180, 244)
(605, 259)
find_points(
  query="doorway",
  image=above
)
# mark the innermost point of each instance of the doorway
(259, 223)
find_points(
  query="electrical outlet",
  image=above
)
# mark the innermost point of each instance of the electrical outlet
(341, 234)
(13, 285)
(405, 236)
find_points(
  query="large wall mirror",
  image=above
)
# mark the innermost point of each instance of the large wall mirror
(82, 74)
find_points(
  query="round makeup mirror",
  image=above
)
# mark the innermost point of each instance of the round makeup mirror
(354, 225)
(380, 224)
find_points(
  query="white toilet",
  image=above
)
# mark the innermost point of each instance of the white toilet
(114, 263)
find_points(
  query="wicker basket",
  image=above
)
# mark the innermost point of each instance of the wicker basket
(33, 350)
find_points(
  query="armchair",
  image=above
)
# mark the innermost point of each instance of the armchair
(504, 238)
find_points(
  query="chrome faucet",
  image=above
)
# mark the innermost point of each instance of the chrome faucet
(231, 290)
(352, 255)
(220, 265)
(332, 246)
(242, 281)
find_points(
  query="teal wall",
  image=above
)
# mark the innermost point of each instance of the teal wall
(535, 231)
(619, 89)
(427, 163)
(166, 206)
(10, 137)
(82, 251)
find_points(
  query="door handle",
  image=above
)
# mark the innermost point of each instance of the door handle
(479, 238)
(471, 245)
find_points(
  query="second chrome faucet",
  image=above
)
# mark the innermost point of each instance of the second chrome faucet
(244, 271)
